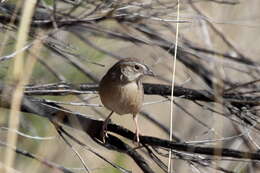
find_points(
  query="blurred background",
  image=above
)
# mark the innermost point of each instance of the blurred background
(77, 41)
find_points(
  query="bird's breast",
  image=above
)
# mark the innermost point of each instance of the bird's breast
(122, 99)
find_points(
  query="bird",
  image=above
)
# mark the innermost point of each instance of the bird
(121, 90)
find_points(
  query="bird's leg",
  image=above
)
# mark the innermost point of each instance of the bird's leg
(137, 130)
(103, 133)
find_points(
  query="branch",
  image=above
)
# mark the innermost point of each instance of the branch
(149, 89)
(92, 127)
(41, 160)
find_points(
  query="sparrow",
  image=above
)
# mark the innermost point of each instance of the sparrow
(121, 90)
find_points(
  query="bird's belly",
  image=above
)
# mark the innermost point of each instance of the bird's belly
(124, 99)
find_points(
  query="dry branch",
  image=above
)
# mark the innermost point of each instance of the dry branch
(92, 127)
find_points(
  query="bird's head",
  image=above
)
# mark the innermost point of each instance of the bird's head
(131, 69)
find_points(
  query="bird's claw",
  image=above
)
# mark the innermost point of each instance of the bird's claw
(103, 134)
(137, 140)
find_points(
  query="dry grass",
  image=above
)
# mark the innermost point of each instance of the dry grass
(239, 24)
(21, 78)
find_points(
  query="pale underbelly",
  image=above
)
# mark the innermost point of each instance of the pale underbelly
(122, 101)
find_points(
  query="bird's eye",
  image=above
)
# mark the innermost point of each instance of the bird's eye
(136, 67)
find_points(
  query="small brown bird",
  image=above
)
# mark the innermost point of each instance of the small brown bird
(121, 90)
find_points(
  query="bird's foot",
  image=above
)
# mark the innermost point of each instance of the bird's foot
(137, 139)
(103, 133)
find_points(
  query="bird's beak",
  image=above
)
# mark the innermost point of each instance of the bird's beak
(149, 72)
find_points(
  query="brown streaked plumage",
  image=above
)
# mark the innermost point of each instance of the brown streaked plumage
(121, 89)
